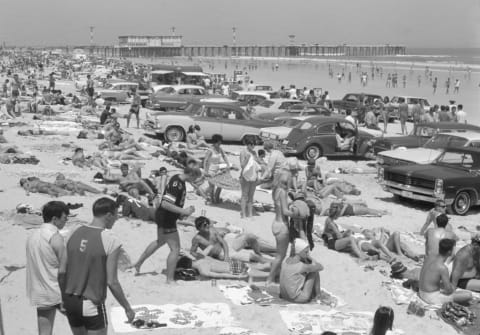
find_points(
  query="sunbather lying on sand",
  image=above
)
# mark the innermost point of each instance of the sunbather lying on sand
(128, 179)
(384, 239)
(95, 160)
(35, 185)
(211, 242)
(347, 208)
(132, 207)
(74, 186)
(125, 155)
(214, 268)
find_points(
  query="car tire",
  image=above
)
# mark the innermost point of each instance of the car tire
(462, 203)
(313, 151)
(174, 134)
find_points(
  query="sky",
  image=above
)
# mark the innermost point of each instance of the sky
(413, 23)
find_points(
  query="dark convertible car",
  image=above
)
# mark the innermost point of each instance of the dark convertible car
(453, 177)
(421, 133)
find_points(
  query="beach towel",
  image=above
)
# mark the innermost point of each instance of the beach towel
(237, 331)
(204, 315)
(405, 296)
(241, 294)
(318, 321)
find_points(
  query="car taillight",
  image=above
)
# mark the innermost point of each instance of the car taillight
(438, 187)
(380, 174)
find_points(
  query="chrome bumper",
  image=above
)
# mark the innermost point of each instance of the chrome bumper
(413, 192)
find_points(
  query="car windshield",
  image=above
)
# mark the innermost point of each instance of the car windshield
(266, 103)
(424, 131)
(459, 160)
(193, 109)
(290, 122)
(304, 125)
(441, 141)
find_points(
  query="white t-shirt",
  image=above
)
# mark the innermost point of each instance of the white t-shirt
(293, 93)
(351, 119)
(461, 116)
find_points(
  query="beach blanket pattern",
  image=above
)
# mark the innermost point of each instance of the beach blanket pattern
(240, 294)
(204, 315)
(318, 321)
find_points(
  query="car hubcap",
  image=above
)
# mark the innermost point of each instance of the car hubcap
(174, 135)
(463, 203)
(312, 152)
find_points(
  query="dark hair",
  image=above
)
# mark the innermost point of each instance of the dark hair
(445, 246)
(200, 221)
(383, 320)
(103, 206)
(401, 100)
(460, 106)
(328, 333)
(162, 169)
(217, 138)
(348, 112)
(120, 200)
(54, 209)
(78, 150)
(194, 172)
(190, 129)
(124, 165)
(261, 152)
(442, 220)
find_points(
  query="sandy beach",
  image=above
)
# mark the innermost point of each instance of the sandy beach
(359, 286)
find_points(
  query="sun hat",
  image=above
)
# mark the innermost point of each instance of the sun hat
(300, 245)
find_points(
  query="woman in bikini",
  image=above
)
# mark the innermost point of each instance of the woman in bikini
(337, 240)
(194, 140)
(280, 224)
(213, 166)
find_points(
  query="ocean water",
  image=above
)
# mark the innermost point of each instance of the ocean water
(460, 56)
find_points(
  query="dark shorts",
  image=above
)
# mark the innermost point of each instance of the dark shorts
(166, 220)
(83, 313)
(348, 210)
(462, 283)
(331, 244)
(15, 93)
(90, 91)
(135, 109)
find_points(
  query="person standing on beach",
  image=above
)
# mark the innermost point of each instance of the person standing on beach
(135, 108)
(91, 266)
(461, 115)
(447, 86)
(45, 252)
(166, 216)
(403, 114)
(435, 83)
(90, 89)
(456, 88)
(388, 84)
(419, 80)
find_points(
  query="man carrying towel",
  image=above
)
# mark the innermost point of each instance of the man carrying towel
(45, 251)
(300, 279)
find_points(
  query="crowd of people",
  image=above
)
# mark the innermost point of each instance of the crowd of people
(72, 274)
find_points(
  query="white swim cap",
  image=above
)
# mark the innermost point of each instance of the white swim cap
(300, 245)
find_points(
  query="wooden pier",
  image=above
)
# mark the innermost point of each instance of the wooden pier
(303, 51)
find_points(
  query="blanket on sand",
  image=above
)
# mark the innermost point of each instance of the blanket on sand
(318, 321)
(204, 315)
(241, 294)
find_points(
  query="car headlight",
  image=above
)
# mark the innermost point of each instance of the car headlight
(438, 187)
(380, 174)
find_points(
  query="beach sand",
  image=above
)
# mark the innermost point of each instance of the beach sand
(343, 275)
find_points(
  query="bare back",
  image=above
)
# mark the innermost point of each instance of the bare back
(431, 274)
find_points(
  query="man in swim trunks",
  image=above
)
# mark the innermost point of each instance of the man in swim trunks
(209, 240)
(135, 108)
(74, 186)
(434, 235)
(299, 275)
(466, 266)
(434, 286)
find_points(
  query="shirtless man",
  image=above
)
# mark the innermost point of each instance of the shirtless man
(434, 235)
(35, 185)
(466, 266)
(128, 179)
(432, 216)
(209, 241)
(213, 268)
(434, 286)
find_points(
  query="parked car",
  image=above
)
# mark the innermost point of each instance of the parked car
(411, 101)
(316, 136)
(274, 106)
(296, 110)
(431, 150)
(252, 97)
(228, 120)
(453, 177)
(420, 134)
(263, 88)
(118, 92)
(173, 97)
(352, 101)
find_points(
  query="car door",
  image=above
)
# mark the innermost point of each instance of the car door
(325, 136)
(210, 121)
(234, 126)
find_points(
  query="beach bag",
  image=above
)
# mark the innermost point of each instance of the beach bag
(250, 171)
